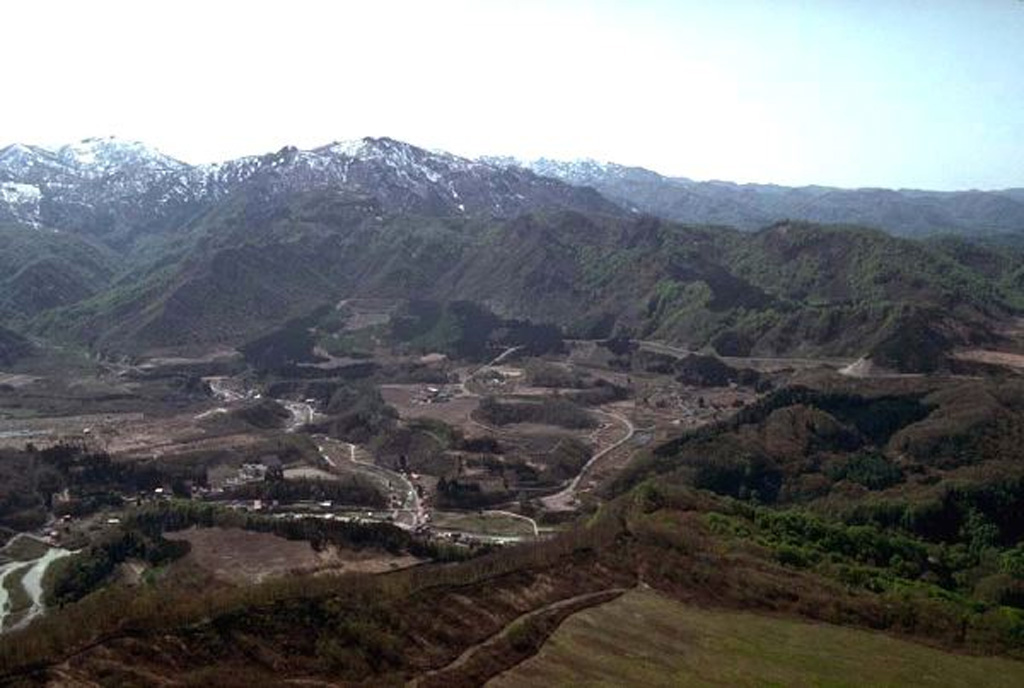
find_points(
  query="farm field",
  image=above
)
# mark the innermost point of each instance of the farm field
(238, 556)
(409, 401)
(646, 640)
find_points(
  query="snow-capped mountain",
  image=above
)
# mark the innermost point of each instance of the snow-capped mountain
(103, 156)
(93, 157)
(92, 186)
(117, 189)
(584, 171)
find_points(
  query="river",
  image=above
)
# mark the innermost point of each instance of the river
(31, 582)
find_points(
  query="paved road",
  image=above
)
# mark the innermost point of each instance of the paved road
(412, 509)
(742, 361)
(565, 500)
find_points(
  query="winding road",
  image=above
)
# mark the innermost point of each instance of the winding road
(412, 507)
(566, 499)
(747, 361)
(520, 517)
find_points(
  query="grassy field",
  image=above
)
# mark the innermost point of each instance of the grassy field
(644, 639)
(483, 523)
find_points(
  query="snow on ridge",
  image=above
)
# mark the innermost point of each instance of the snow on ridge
(352, 148)
(102, 171)
(407, 160)
(18, 149)
(579, 169)
(18, 159)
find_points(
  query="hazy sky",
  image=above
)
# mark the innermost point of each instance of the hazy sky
(900, 93)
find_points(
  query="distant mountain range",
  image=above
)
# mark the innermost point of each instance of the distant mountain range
(117, 246)
(752, 206)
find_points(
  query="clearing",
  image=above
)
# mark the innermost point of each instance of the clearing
(411, 401)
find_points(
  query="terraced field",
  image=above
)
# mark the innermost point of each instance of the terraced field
(644, 639)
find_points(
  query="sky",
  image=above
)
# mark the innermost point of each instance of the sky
(889, 93)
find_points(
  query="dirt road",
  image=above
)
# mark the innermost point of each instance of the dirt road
(520, 517)
(600, 596)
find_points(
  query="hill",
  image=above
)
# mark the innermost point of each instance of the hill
(12, 347)
(254, 261)
(41, 269)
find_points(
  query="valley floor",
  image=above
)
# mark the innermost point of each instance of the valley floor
(644, 639)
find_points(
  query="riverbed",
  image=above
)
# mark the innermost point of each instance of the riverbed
(31, 572)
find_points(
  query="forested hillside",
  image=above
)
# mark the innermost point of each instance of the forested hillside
(790, 289)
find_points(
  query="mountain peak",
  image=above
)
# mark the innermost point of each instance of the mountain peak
(352, 148)
(103, 154)
(15, 149)
(370, 147)
(17, 159)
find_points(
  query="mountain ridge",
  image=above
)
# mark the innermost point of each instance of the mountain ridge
(220, 254)
(98, 177)
(791, 289)
(907, 212)
(119, 191)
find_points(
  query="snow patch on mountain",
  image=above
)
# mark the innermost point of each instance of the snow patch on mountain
(22, 201)
(12, 192)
